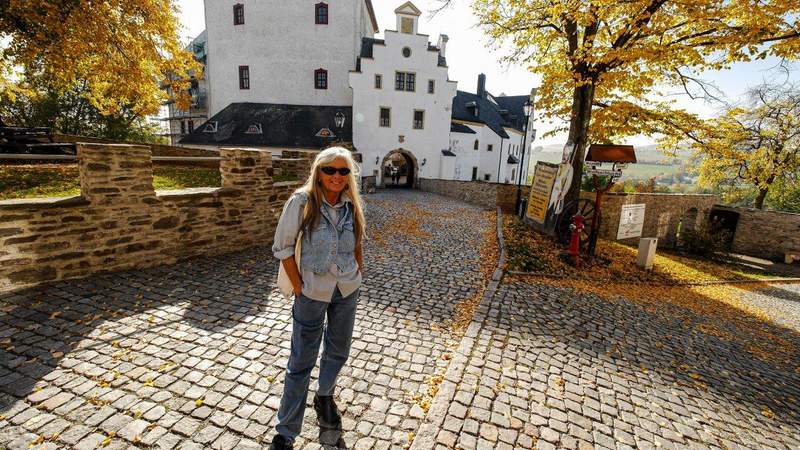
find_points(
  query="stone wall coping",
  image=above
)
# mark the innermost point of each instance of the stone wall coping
(476, 181)
(657, 194)
(287, 183)
(278, 158)
(41, 203)
(755, 210)
(177, 194)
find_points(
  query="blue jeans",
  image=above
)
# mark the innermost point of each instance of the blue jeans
(307, 333)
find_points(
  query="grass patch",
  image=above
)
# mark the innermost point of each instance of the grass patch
(56, 180)
(284, 177)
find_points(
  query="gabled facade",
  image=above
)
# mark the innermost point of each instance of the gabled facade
(401, 100)
(279, 73)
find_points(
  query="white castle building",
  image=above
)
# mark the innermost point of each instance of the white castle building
(279, 74)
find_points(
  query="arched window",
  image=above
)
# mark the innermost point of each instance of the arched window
(238, 14)
(320, 79)
(321, 13)
(475, 147)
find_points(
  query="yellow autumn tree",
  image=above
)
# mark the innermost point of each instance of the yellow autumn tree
(756, 146)
(602, 62)
(124, 51)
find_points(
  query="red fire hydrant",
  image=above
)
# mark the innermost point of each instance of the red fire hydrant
(575, 240)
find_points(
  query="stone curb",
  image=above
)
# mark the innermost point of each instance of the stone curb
(425, 439)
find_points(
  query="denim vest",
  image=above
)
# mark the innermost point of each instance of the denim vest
(328, 243)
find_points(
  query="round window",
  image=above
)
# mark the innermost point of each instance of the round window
(406, 52)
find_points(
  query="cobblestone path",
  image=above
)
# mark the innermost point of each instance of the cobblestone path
(192, 355)
(548, 367)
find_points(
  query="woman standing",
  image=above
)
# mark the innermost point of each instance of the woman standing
(328, 211)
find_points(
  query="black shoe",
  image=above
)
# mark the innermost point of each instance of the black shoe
(279, 443)
(327, 413)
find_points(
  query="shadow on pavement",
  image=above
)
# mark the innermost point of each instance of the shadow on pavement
(682, 355)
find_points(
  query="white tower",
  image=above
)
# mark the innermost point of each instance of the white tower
(274, 51)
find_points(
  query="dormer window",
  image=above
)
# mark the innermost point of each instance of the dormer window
(211, 127)
(238, 14)
(321, 13)
(254, 129)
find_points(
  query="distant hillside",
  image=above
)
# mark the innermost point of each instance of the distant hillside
(647, 154)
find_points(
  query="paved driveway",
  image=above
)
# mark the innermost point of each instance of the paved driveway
(192, 355)
(553, 368)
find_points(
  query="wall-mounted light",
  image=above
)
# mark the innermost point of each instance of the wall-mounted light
(424, 160)
(377, 158)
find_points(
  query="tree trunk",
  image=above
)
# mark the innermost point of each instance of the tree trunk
(582, 98)
(762, 194)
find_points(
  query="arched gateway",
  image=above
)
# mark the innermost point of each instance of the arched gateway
(399, 169)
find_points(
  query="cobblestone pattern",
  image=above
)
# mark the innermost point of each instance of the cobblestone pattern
(119, 222)
(553, 368)
(192, 355)
(781, 300)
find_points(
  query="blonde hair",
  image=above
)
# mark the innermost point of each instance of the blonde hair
(313, 190)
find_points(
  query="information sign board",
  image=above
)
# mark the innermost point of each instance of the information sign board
(631, 221)
(544, 177)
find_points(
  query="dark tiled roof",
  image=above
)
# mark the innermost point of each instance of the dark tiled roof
(507, 113)
(456, 127)
(366, 46)
(448, 153)
(513, 104)
(281, 125)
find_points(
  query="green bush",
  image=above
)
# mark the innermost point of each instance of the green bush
(706, 243)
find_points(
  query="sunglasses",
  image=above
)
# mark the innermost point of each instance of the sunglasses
(327, 170)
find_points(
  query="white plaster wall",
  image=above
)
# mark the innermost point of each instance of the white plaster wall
(488, 159)
(466, 158)
(283, 46)
(373, 140)
(512, 146)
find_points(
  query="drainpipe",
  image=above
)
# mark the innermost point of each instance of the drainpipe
(500, 161)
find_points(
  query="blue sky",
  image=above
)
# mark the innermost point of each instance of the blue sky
(468, 55)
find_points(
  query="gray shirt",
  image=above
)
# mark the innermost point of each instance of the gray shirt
(316, 286)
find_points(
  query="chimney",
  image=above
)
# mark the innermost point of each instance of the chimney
(481, 86)
(443, 44)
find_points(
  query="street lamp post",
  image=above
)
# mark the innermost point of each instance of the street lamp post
(527, 109)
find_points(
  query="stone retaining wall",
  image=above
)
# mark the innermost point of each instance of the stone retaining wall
(119, 222)
(665, 214)
(157, 150)
(765, 234)
(482, 193)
